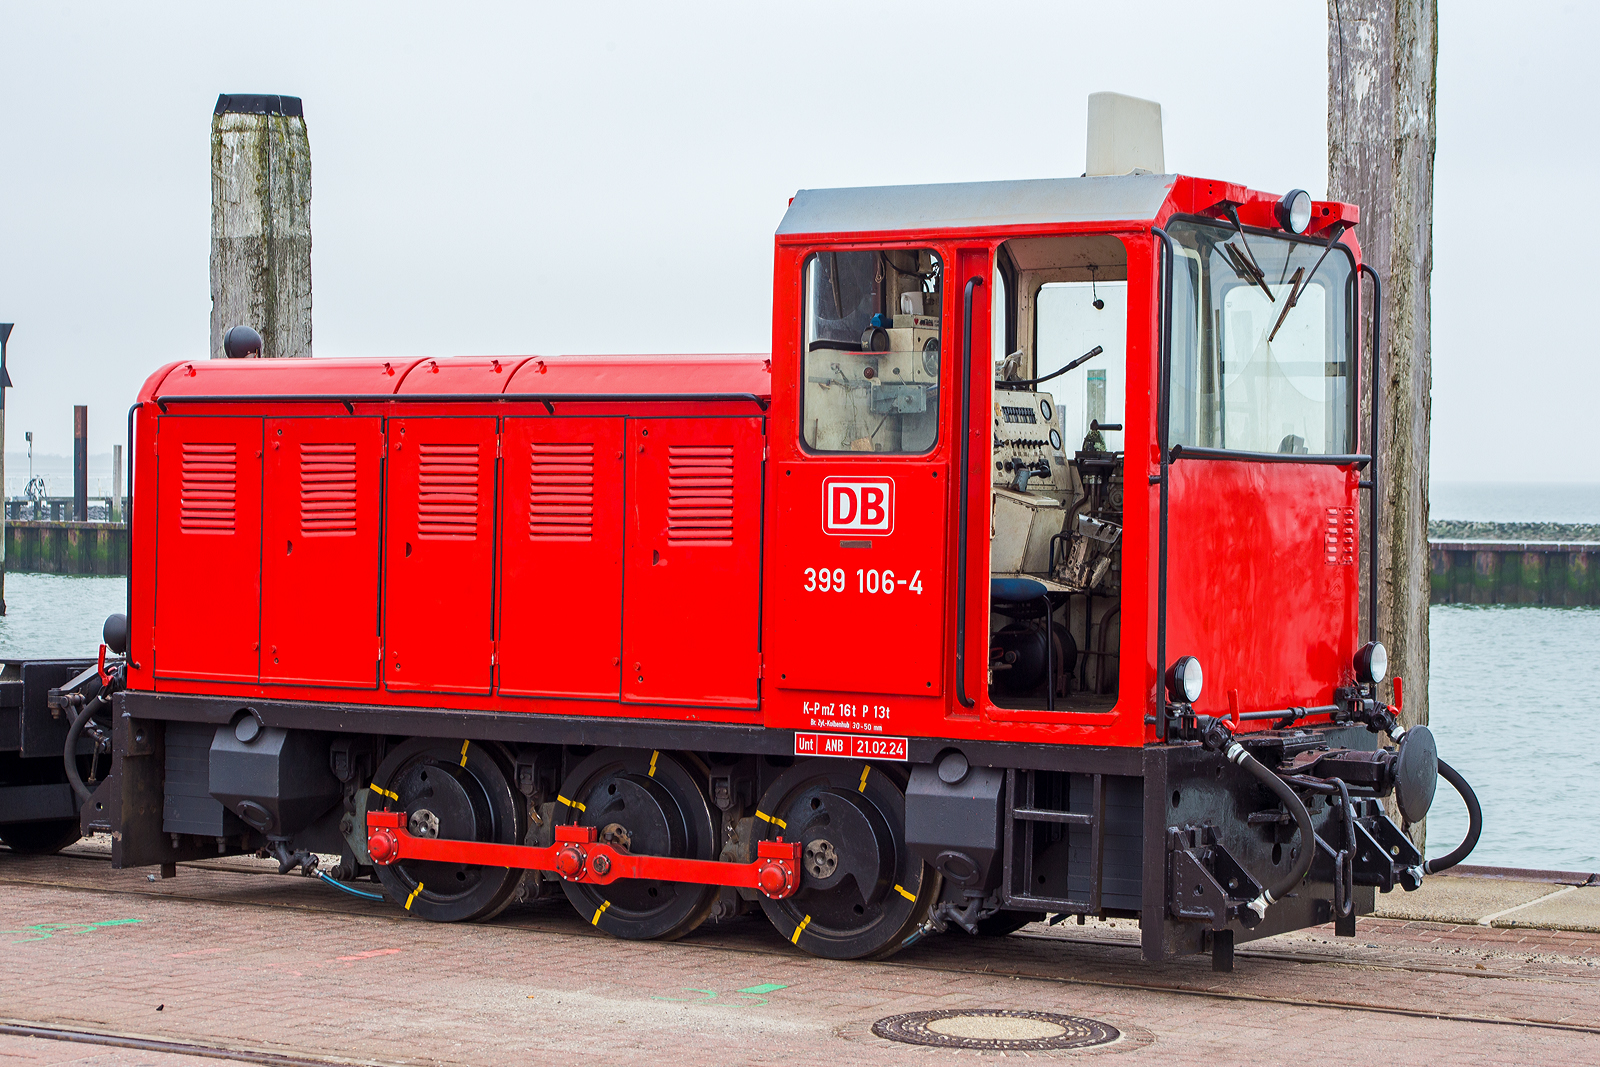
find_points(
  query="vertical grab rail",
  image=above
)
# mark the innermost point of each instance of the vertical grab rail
(127, 517)
(1372, 475)
(961, 534)
(1166, 262)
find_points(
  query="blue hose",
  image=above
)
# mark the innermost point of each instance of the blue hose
(348, 889)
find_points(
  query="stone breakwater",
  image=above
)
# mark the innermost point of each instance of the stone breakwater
(1461, 530)
(1548, 563)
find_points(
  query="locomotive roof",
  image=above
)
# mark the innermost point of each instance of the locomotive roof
(510, 376)
(970, 205)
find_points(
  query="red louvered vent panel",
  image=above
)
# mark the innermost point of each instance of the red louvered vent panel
(209, 488)
(561, 504)
(700, 495)
(447, 493)
(327, 490)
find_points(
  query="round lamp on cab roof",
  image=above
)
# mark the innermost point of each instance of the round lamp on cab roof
(1294, 211)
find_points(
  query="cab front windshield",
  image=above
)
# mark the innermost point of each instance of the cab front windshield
(1247, 375)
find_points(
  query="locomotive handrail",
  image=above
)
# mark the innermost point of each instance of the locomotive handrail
(127, 517)
(961, 528)
(1163, 399)
(1354, 459)
(547, 399)
(1372, 479)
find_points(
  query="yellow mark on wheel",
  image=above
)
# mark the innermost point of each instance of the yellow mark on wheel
(382, 792)
(413, 896)
(601, 910)
(653, 756)
(862, 788)
(773, 819)
(902, 891)
(571, 803)
(464, 745)
(798, 930)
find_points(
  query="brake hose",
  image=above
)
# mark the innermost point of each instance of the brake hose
(349, 889)
(69, 754)
(1474, 822)
(1236, 753)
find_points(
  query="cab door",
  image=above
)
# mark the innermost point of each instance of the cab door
(860, 519)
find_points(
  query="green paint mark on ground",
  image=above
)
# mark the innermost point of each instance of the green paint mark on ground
(43, 931)
(752, 995)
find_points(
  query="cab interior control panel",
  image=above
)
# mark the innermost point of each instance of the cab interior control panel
(1029, 448)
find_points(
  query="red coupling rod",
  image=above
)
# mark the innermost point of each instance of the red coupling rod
(578, 856)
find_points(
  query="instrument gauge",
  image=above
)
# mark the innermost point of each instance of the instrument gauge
(1046, 409)
(1055, 439)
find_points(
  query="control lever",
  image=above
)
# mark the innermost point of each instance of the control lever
(1024, 382)
(1040, 469)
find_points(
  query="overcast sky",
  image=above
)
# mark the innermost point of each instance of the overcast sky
(513, 178)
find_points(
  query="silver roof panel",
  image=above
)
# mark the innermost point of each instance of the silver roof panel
(972, 205)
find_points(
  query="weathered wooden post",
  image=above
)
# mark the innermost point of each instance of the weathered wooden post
(1382, 62)
(5, 382)
(115, 511)
(80, 463)
(261, 222)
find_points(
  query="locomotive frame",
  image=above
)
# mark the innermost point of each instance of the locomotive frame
(494, 559)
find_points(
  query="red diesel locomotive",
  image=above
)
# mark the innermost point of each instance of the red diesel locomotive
(1021, 579)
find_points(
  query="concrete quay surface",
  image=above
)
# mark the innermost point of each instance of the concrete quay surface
(230, 960)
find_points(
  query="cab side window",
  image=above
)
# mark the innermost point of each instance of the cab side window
(872, 351)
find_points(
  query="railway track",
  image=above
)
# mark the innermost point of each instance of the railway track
(1103, 961)
(175, 1048)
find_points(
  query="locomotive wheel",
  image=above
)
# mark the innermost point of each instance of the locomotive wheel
(44, 838)
(459, 791)
(862, 891)
(649, 804)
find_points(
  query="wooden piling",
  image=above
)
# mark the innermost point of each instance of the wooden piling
(80, 463)
(1382, 59)
(261, 222)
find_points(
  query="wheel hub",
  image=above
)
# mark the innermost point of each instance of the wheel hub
(821, 859)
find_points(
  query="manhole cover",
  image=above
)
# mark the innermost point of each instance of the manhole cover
(997, 1031)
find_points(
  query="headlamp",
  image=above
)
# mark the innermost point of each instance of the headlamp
(1294, 211)
(1372, 662)
(1185, 680)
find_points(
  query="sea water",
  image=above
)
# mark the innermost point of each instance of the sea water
(1514, 501)
(1514, 695)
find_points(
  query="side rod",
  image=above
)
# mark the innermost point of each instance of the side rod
(578, 856)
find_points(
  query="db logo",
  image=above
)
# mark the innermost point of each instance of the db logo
(857, 505)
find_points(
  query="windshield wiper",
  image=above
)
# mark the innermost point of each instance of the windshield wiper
(1298, 284)
(1246, 270)
(1246, 261)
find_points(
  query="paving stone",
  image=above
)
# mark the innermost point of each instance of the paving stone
(1578, 910)
(239, 958)
(1460, 900)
